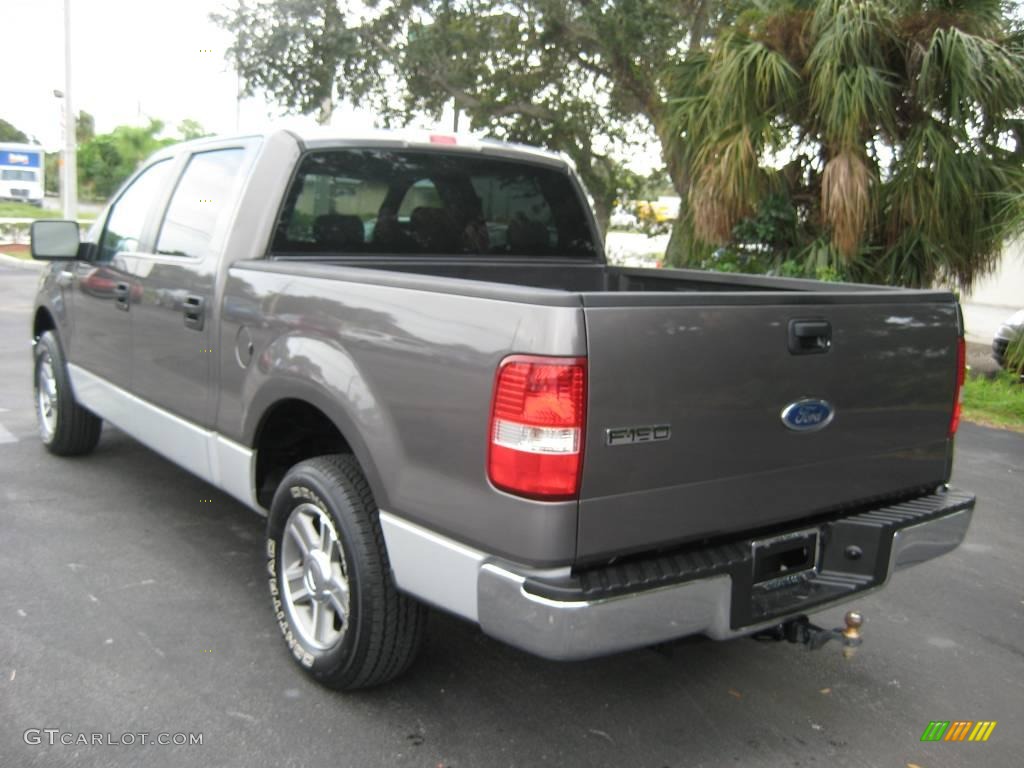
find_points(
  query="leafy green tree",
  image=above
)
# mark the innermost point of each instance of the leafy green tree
(296, 52)
(51, 176)
(107, 160)
(85, 127)
(510, 71)
(582, 77)
(190, 129)
(835, 138)
(877, 139)
(9, 133)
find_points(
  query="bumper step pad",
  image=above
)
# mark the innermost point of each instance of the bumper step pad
(855, 554)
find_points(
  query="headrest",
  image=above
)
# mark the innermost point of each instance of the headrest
(527, 235)
(335, 231)
(433, 229)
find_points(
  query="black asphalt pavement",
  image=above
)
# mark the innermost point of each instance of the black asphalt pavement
(130, 604)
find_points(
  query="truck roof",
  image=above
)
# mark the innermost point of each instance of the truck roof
(322, 138)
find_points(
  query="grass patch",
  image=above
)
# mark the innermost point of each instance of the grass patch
(995, 402)
(25, 211)
(10, 210)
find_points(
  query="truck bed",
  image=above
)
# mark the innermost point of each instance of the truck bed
(570, 275)
(705, 355)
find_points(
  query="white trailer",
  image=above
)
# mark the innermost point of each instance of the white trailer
(21, 173)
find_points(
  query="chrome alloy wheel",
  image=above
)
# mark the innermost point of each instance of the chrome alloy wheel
(46, 397)
(314, 577)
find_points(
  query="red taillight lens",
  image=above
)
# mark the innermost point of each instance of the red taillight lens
(958, 393)
(537, 425)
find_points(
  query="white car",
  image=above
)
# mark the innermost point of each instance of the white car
(1009, 331)
(623, 220)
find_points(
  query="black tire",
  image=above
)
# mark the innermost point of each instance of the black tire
(65, 427)
(381, 631)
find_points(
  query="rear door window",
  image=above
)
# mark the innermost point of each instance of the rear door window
(409, 202)
(200, 203)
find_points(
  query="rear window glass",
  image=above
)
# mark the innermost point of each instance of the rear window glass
(407, 202)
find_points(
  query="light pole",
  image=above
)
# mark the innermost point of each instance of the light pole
(59, 95)
(70, 175)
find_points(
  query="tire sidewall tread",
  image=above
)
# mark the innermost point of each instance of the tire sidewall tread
(78, 429)
(385, 626)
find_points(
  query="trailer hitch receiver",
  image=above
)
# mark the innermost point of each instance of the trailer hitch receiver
(801, 631)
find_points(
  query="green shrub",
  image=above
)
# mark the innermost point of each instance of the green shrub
(1015, 355)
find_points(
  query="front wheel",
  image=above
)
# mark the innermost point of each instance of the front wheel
(330, 581)
(65, 427)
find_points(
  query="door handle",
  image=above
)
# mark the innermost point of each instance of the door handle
(194, 307)
(809, 337)
(122, 294)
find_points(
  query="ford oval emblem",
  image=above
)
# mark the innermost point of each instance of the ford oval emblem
(808, 415)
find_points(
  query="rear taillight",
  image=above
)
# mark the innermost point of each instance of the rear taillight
(958, 392)
(538, 418)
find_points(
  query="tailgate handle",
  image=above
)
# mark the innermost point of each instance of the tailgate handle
(809, 337)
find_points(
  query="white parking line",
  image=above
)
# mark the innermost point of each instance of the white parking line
(5, 434)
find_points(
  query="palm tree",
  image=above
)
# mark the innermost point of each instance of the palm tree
(891, 131)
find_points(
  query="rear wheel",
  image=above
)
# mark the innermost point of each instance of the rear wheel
(330, 580)
(65, 427)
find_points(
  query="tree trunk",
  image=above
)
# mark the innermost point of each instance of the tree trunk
(326, 111)
(603, 214)
(698, 26)
(677, 253)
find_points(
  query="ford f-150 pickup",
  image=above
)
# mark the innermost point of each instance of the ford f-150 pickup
(409, 353)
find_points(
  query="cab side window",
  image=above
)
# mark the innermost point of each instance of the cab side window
(199, 203)
(128, 216)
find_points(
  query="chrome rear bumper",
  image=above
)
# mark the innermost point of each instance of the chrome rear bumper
(558, 615)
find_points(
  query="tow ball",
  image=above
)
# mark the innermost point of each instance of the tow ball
(800, 630)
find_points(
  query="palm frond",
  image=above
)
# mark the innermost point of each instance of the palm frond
(962, 74)
(853, 32)
(727, 185)
(850, 102)
(846, 203)
(852, 88)
(929, 91)
(748, 79)
(960, 203)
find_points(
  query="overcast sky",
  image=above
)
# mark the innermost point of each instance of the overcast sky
(131, 59)
(135, 59)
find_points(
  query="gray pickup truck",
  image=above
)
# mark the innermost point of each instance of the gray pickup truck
(409, 352)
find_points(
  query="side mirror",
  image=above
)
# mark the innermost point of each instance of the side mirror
(54, 239)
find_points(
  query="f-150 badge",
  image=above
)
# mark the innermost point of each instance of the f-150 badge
(631, 435)
(808, 415)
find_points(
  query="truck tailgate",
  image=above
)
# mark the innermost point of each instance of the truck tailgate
(694, 397)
